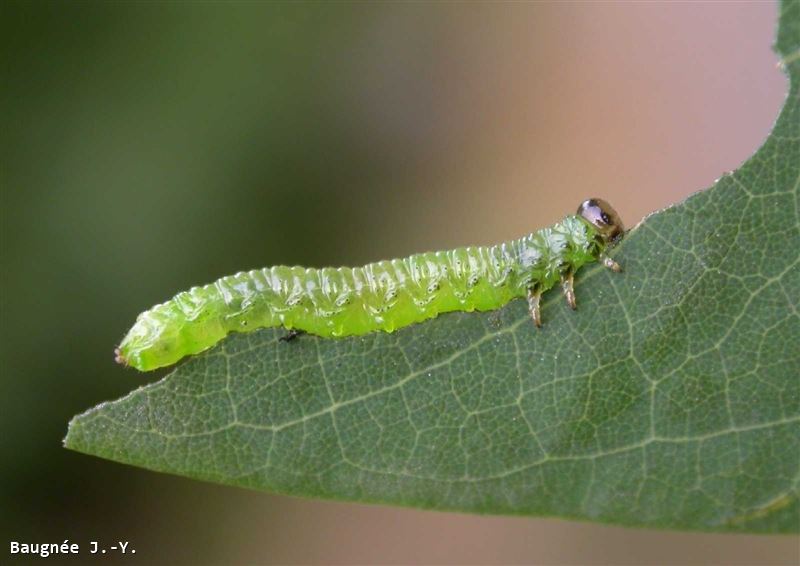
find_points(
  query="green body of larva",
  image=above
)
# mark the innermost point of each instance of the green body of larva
(387, 295)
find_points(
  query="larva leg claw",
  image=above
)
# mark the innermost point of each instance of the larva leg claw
(568, 286)
(291, 335)
(611, 264)
(534, 308)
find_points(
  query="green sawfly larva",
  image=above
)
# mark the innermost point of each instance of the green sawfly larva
(387, 295)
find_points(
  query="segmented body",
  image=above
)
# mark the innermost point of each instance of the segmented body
(381, 296)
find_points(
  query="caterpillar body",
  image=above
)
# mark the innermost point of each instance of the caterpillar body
(382, 296)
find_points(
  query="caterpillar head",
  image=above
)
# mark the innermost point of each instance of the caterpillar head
(604, 218)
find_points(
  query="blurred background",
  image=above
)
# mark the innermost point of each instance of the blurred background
(149, 147)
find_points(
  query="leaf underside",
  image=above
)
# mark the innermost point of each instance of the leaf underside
(670, 399)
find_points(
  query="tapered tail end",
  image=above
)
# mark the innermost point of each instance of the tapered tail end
(119, 358)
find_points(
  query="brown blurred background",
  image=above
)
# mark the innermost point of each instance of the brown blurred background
(147, 147)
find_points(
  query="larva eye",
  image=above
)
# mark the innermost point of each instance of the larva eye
(603, 217)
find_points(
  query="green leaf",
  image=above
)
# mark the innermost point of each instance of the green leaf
(670, 399)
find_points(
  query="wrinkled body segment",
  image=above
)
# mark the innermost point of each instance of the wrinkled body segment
(382, 296)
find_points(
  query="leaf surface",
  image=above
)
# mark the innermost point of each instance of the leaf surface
(670, 399)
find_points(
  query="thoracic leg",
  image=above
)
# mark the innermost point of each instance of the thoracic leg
(567, 284)
(610, 263)
(533, 306)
